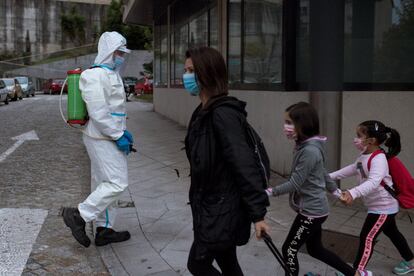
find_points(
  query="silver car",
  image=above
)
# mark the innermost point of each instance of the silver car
(27, 86)
(4, 93)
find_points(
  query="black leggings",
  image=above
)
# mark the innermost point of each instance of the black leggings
(373, 226)
(227, 261)
(309, 231)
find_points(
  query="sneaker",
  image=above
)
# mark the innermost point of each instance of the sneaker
(365, 273)
(75, 222)
(403, 267)
(106, 236)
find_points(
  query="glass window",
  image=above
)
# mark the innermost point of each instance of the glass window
(302, 43)
(172, 59)
(234, 41)
(263, 41)
(379, 42)
(161, 51)
(199, 31)
(164, 61)
(190, 24)
(255, 42)
(157, 56)
(181, 46)
(214, 28)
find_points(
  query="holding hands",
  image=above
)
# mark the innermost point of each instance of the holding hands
(346, 198)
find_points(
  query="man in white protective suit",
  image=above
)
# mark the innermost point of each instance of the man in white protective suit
(107, 142)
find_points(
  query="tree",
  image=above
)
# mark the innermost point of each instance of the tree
(73, 26)
(138, 37)
(148, 69)
(394, 57)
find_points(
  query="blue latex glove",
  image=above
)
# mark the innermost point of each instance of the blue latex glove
(123, 144)
(129, 136)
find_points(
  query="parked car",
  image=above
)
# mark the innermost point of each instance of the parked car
(129, 84)
(14, 88)
(54, 86)
(4, 93)
(27, 86)
(143, 86)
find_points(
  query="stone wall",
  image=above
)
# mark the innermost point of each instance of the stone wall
(35, 24)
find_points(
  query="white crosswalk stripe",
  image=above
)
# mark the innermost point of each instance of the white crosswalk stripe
(18, 232)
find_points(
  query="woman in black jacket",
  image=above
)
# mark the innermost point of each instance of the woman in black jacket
(226, 192)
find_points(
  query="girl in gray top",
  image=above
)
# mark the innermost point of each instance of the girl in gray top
(307, 187)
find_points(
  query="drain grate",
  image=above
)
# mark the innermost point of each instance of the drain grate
(343, 245)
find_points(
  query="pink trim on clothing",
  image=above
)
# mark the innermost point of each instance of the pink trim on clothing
(369, 241)
(320, 138)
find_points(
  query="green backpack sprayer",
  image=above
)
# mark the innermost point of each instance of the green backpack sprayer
(76, 107)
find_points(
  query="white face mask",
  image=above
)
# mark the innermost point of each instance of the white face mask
(289, 131)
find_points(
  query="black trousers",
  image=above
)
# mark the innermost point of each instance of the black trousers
(308, 231)
(373, 226)
(203, 266)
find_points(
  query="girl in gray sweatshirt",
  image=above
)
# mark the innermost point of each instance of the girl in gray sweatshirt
(307, 187)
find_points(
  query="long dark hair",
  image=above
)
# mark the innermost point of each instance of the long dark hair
(384, 135)
(306, 120)
(210, 70)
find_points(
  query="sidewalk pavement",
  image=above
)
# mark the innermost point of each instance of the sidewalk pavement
(161, 223)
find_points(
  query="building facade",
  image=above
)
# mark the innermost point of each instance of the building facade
(352, 59)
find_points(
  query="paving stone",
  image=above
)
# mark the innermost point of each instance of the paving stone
(46, 175)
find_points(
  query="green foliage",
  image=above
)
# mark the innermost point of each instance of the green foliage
(113, 21)
(138, 37)
(148, 68)
(73, 26)
(394, 57)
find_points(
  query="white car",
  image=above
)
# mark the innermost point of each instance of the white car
(4, 93)
(27, 86)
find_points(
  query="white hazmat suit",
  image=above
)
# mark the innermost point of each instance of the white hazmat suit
(103, 92)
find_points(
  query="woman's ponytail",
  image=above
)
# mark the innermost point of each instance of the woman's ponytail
(393, 142)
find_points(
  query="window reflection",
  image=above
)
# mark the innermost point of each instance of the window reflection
(199, 31)
(234, 41)
(379, 41)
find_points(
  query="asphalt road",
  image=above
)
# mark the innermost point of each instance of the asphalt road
(37, 178)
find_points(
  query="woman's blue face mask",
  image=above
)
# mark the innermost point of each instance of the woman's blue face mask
(190, 84)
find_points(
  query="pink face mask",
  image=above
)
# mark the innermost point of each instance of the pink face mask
(359, 145)
(289, 131)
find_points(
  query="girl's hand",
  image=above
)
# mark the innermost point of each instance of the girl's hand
(337, 193)
(346, 198)
(269, 191)
(260, 227)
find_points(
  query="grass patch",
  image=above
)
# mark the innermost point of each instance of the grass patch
(146, 98)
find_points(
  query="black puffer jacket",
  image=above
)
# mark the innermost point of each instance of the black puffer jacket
(227, 187)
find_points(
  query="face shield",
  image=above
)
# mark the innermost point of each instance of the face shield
(121, 60)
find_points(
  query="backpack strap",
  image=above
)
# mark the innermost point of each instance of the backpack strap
(386, 187)
(103, 66)
(375, 153)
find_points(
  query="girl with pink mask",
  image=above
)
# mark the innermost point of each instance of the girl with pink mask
(382, 206)
(307, 186)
